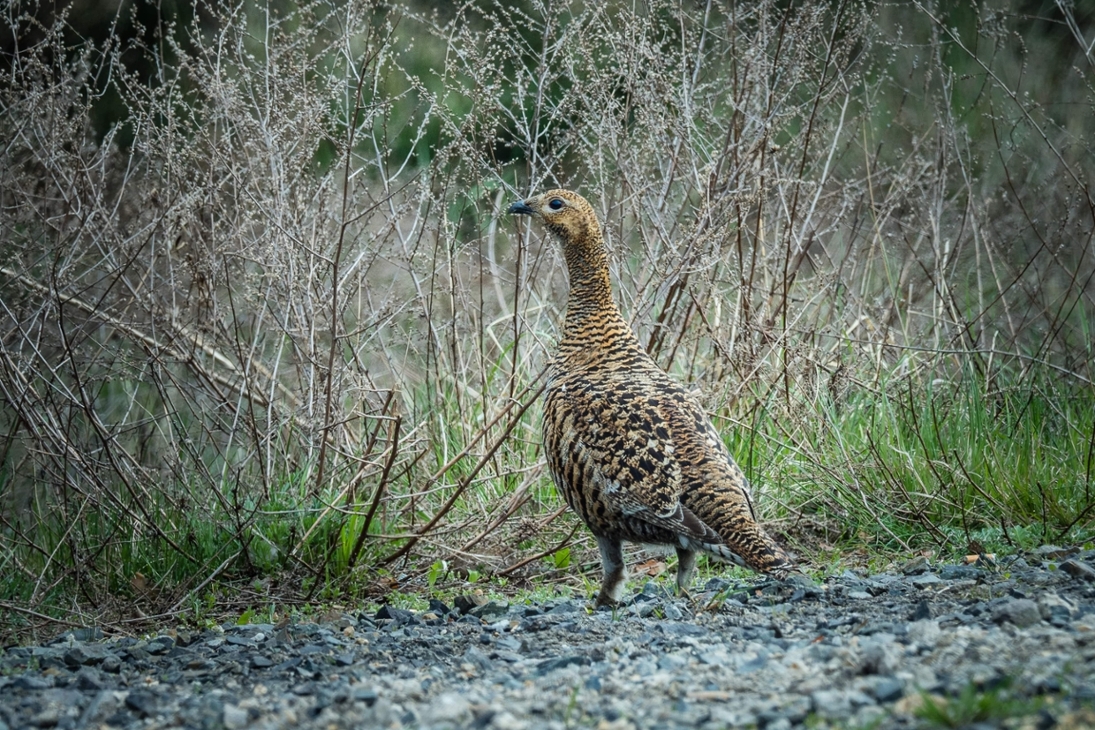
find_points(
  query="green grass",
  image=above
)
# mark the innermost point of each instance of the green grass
(289, 352)
(940, 463)
(888, 471)
(976, 704)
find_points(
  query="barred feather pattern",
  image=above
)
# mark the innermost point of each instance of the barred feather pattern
(630, 450)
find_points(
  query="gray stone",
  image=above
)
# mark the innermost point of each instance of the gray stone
(1021, 612)
(30, 682)
(368, 695)
(1079, 569)
(49, 658)
(234, 717)
(489, 609)
(682, 629)
(202, 665)
(509, 643)
(878, 627)
(1051, 552)
(550, 665)
(820, 652)
(925, 633)
(887, 689)
(673, 662)
(259, 661)
(715, 585)
(880, 655)
(754, 664)
(804, 587)
(716, 657)
(852, 657)
(160, 645)
(402, 616)
(48, 716)
(141, 702)
(82, 655)
(439, 607)
(653, 590)
(794, 709)
(505, 720)
(447, 709)
(916, 566)
(1052, 606)
(959, 572)
(925, 580)
(922, 612)
(478, 659)
(831, 704)
(89, 679)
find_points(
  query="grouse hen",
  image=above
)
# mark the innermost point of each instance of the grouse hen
(631, 451)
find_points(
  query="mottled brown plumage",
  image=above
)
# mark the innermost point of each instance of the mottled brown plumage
(631, 451)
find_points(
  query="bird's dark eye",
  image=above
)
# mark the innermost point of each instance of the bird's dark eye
(555, 204)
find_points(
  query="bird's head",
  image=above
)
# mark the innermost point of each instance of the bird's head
(564, 213)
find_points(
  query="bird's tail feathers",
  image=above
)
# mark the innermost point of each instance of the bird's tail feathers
(774, 561)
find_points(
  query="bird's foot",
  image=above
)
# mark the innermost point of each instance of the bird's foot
(606, 600)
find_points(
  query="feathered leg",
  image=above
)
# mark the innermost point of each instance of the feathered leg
(686, 564)
(612, 559)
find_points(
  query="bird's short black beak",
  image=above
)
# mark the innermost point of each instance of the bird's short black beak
(521, 208)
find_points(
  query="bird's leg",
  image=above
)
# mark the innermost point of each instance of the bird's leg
(686, 564)
(612, 560)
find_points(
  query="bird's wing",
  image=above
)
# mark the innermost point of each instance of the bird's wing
(622, 440)
(709, 441)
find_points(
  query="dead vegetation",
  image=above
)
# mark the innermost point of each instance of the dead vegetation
(265, 320)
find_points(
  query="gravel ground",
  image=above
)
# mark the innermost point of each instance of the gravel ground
(1015, 641)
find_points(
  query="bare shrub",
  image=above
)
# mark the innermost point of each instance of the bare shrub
(269, 322)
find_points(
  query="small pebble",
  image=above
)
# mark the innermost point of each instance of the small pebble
(856, 650)
(1079, 569)
(234, 717)
(1021, 612)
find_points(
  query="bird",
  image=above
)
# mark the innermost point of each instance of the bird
(630, 450)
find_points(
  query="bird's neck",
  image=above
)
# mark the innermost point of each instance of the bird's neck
(592, 318)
